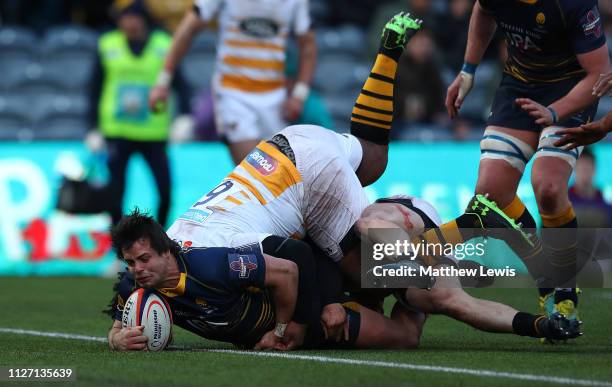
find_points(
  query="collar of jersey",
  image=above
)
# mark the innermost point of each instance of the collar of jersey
(179, 290)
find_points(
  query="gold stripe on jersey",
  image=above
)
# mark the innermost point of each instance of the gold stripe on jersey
(245, 195)
(284, 176)
(254, 44)
(179, 290)
(244, 83)
(233, 200)
(248, 185)
(259, 64)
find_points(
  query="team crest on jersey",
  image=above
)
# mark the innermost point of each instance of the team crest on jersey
(591, 23)
(540, 18)
(259, 27)
(262, 162)
(242, 264)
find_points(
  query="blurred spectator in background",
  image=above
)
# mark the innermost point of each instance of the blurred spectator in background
(420, 91)
(167, 14)
(587, 199)
(249, 86)
(452, 38)
(40, 15)
(129, 61)
(357, 12)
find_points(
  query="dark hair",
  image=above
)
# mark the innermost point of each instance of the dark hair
(139, 225)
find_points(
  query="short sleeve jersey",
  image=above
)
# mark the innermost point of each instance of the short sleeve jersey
(544, 36)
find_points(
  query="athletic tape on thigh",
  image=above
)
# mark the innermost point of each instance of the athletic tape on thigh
(546, 147)
(502, 146)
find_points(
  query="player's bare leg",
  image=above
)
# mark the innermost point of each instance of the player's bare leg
(449, 299)
(549, 178)
(401, 331)
(240, 149)
(498, 178)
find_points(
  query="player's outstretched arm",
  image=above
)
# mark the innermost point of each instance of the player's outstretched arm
(126, 339)
(281, 280)
(481, 31)
(189, 27)
(586, 134)
(578, 98)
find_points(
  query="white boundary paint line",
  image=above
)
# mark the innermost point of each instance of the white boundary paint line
(370, 363)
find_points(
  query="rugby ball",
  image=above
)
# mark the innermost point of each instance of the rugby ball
(146, 308)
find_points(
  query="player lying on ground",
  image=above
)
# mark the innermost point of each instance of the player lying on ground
(308, 180)
(242, 295)
(420, 221)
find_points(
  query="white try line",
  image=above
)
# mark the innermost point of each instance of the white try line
(337, 360)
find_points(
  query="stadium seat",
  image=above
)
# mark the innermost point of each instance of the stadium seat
(198, 68)
(61, 126)
(319, 10)
(423, 133)
(68, 54)
(205, 41)
(339, 73)
(477, 104)
(17, 50)
(340, 107)
(15, 122)
(347, 39)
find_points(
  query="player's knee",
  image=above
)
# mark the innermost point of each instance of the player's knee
(549, 193)
(449, 302)
(406, 341)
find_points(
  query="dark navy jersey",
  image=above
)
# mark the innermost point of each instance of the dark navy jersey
(220, 295)
(544, 36)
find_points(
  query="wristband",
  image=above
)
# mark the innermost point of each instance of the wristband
(555, 117)
(279, 329)
(469, 68)
(300, 91)
(164, 78)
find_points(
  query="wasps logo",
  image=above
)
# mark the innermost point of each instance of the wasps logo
(540, 18)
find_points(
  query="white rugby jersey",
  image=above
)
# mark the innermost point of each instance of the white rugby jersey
(262, 196)
(252, 40)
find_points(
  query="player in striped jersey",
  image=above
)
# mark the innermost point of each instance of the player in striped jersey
(249, 86)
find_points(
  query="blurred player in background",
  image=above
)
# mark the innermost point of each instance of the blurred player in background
(249, 87)
(557, 50)
(127, 65)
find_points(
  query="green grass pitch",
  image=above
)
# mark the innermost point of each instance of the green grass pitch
(73, 305)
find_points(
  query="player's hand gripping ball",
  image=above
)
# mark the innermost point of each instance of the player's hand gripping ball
(146, 308)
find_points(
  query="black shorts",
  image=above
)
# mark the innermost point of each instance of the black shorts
(506, 113)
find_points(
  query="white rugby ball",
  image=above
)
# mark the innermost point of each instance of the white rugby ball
(146, 308)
